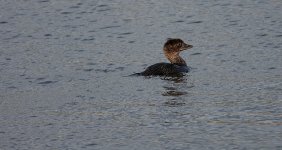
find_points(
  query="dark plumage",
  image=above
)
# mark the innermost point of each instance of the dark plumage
(177, 65)
(165, 69)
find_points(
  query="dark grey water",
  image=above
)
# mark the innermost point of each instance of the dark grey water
(63, 65)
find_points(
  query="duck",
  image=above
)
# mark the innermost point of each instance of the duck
(177, 66)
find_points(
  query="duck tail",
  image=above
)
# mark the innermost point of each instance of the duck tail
(136, 74)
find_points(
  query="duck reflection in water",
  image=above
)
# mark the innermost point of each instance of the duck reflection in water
(176, 91)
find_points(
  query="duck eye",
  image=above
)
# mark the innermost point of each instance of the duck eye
(179, 44)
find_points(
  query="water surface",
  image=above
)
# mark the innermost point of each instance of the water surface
(64, 67)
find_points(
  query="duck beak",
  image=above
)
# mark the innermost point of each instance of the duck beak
(186, 46)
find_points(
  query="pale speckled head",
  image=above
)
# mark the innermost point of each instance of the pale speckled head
(175, 45)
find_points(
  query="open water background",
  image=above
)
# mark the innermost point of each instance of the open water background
(63, 68)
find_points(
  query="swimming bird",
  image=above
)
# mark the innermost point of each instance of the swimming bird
(177, 65)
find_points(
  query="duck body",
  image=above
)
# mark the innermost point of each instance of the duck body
(165, 69)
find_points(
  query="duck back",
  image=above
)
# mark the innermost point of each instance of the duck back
(165, 69)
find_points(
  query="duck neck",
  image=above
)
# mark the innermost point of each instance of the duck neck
(174, 58)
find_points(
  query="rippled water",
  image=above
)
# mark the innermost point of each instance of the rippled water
(64, 67)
